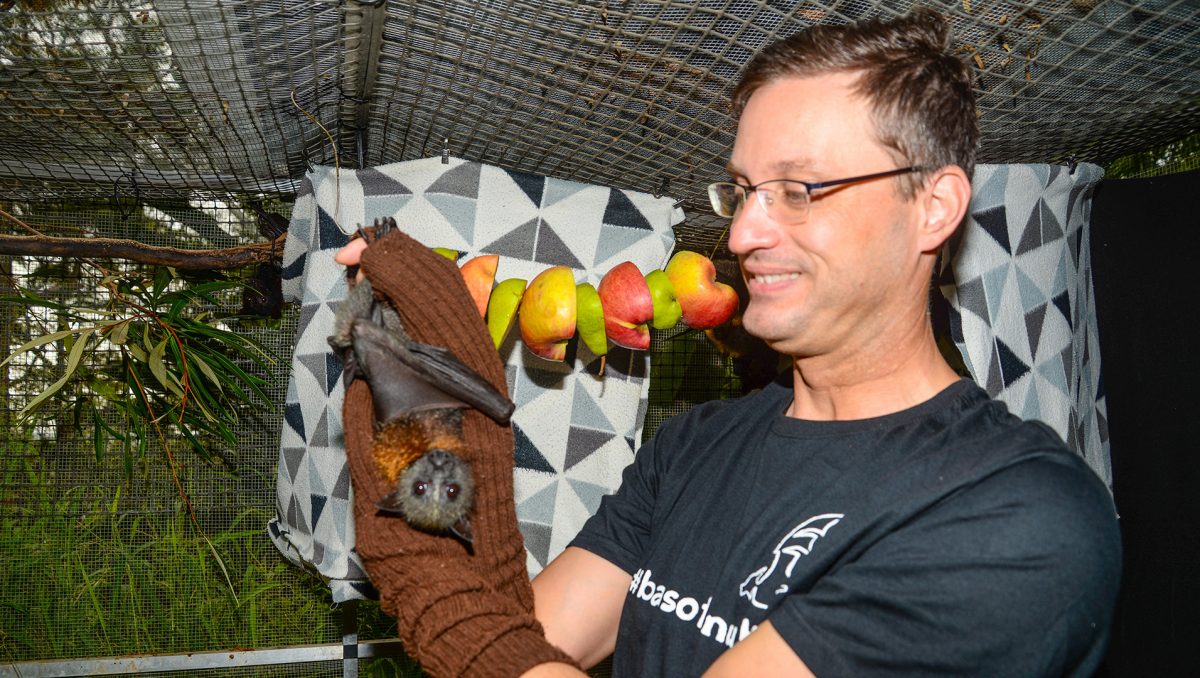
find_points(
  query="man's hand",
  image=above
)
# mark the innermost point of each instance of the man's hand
(351, 254)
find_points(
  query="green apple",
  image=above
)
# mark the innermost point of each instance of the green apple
(589, 319)
(667, 310)
(450, 254)
(502, 308)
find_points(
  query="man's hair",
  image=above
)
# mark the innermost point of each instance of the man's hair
(919, 92)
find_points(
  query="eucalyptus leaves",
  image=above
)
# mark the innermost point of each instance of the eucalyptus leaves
(156, 361)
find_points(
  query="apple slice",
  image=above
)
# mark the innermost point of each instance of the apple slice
(502, 308)
(589, 321)
(628, 306)
(667, 310)
(450, 254)
(479, 273)
(706, 303)
(547, 315)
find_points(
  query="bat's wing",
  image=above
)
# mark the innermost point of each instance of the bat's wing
(409, 377)
(439, 364)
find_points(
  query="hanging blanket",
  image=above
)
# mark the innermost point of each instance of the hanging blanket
(575, 432)
(1019, 279)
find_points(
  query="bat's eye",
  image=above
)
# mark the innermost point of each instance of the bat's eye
(420, 487)
(452, 491)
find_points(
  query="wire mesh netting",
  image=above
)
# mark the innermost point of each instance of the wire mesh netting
(98, 548)
(242, 96)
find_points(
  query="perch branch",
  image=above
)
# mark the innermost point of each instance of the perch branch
(109, 248)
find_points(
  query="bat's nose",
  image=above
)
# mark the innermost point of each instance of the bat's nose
(439, 458)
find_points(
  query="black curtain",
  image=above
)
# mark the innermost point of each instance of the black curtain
(1146, 265)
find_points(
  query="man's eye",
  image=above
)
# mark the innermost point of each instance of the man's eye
(794, 196)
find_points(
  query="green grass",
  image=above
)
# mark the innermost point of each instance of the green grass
(88, 584)
(80, 576)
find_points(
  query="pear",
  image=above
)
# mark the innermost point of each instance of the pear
(502, 308)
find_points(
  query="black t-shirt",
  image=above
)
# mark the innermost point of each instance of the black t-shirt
(948, 539)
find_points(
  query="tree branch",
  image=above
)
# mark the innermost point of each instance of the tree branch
(109, 248)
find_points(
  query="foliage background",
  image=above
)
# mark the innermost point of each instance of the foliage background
(99, 558)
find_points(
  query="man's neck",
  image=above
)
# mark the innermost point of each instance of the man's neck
(872, 384)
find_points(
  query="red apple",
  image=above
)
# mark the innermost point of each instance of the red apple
(479, 274)
(628, 306)
(706, 303)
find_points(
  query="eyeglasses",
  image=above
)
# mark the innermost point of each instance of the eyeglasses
(785, 201)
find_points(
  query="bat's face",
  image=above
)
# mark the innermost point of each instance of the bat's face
(434, 492)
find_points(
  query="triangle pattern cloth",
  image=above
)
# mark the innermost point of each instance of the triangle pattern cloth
(572, 428)
(1018, 278)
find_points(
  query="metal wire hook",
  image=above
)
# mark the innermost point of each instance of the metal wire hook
(663, 186)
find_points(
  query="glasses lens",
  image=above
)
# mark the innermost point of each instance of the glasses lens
(786, 201)
(725, 198)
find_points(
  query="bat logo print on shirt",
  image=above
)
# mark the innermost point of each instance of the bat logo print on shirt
(798, 542)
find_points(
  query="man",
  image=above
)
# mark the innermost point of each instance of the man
(878, 516)
(874, 514)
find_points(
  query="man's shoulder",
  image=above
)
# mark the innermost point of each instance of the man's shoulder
(1032, 497)
(973, 456)
(978, 424)
(1057, 489)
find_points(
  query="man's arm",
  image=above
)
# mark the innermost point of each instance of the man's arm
(578, 600)
(763, 653)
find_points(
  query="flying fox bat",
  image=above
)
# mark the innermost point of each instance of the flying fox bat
(263, 294)
(419, 392)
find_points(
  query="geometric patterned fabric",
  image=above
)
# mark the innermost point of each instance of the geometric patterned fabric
(575, 431)
(1019, 282)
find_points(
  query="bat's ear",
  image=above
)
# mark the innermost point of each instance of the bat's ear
(462, 530)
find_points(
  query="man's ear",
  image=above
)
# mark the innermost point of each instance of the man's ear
(946, 197)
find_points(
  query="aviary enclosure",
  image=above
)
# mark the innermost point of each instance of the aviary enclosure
(154, 161)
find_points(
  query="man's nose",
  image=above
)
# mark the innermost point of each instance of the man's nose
(751, 228)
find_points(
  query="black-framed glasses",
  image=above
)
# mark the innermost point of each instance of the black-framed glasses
(786, 201)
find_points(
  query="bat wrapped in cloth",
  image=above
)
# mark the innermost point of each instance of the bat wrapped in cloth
(419, 392)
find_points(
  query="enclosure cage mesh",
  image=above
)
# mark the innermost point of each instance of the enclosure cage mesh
(157, 122)
(242, 96)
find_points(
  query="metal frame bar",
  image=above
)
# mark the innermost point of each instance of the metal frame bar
(108, 666)
(349, 651)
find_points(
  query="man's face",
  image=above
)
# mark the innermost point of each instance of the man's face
(837, 281)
